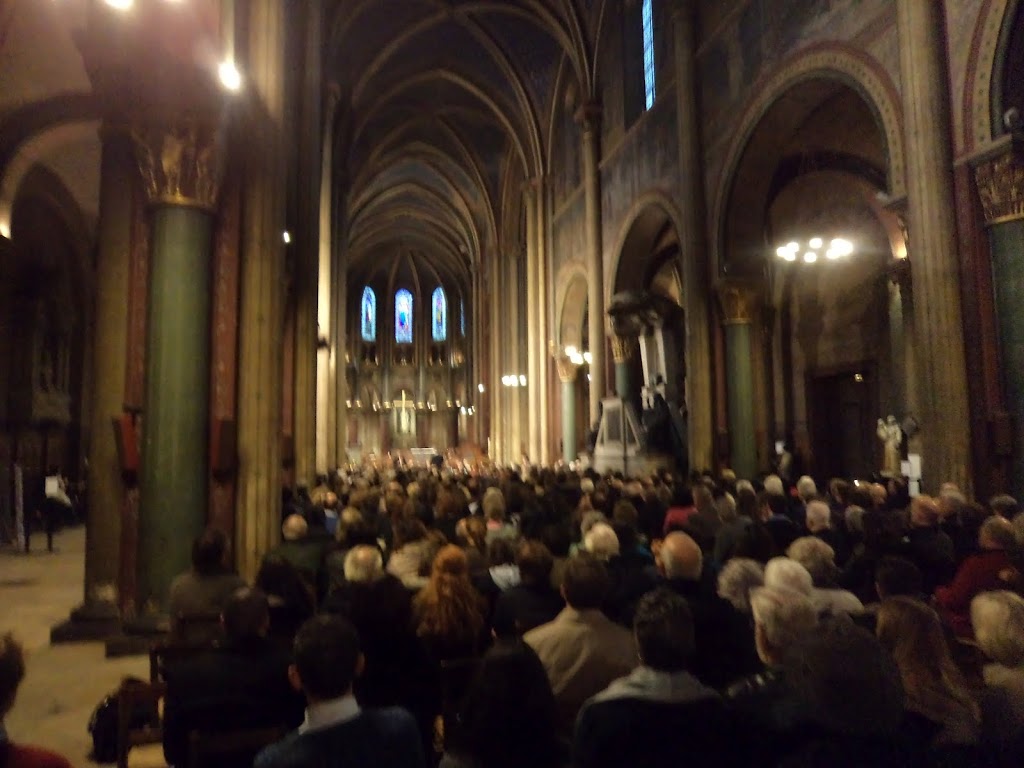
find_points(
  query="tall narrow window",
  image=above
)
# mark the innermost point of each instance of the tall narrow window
(403, 317)
(462, 318)
(649, 71)
(368, 321)
(439, 315)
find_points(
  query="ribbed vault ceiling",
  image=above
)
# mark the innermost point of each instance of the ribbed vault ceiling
(437, 100)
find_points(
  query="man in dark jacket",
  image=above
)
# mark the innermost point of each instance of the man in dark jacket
(533, 601)
(336, 732)
(927, 546)
(660, 714)
(242, 685)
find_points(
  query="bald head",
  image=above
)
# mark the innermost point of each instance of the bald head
(294, 528)
(681, 558)
(364, 563)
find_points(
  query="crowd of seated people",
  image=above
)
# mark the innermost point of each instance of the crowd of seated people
(553, 618)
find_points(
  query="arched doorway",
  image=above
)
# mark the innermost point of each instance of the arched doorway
(810, 233)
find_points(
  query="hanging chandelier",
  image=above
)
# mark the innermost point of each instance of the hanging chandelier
(814, 249)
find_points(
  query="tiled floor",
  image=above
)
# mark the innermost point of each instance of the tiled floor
(63, 683)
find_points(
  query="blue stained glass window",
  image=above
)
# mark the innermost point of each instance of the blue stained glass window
(649, 70)
(439, 315)
(403, 317)
(462, 318)
(368, 321)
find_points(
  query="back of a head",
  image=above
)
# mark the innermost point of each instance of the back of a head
(806, 488)
(208, 551)
(364, 564)
(246, 614)
(846, 681)
(681, 557)
(12, 671)
(509, 714)
(773, 486)
(585, 583)
(535, 563)
(786, 573)
(924, 512)
(663, 627)
(294, 528)
(501, 551)
(494, 505)
(1004, 505)
(450, 562)
(815, 555)
(601, 541)
(725, 506)
(997, 533)
(897, 576)
(819, 516)
(740, 576)
(326, 656)
(784, 616)
(998, 619)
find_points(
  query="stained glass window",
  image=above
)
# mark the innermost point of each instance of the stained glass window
(368, 321)
(403, 317)
(439, 315)
(649, 70)
(462, 318)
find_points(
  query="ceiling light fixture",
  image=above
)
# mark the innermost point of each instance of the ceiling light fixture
(120, 5)
(815, 249)
(229, 75)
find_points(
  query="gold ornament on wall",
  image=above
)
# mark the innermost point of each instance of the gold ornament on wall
(181, 163)
(1001, 188)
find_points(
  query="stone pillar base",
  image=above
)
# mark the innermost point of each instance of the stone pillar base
(88, 623)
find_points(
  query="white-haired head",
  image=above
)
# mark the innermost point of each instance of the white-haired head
(739, 576)
(781, 618)
(294, 528)
(601, 541)
(998, 619)
(773, 485)
(806, 488)
(815, 555)
(785, 573)
(819, 516)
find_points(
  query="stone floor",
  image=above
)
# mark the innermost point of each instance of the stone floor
(63, 683)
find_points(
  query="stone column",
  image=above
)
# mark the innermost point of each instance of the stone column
(692, 237)
(1000, 181)
(931, 222)
(258, 516)
(181, 175)
(590, 120)
(567, 375)
(110, 328)
(533, 307)
(622, 352)
(544, 311)
(737, 316)
(515, 415)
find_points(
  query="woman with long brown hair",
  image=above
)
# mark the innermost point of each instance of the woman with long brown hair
(449, 611)
(933, 686)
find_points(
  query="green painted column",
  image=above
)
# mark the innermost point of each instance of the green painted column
(567, 375)
(739, 372)
(622, 388)
(176, 407)
(180, 168)
(623, 348)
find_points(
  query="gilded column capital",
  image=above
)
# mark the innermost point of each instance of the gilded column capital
(622, 348)
(566, 369)
(181, 163)
(738, 303)
(1000, 181)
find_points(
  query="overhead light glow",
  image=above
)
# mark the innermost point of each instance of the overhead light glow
(229, 75)
(522, 380)
(790, 256)
(842, 247)
(481, 388)
(810, 257)
(120, 5)
(816, 242)
(571, 351)
(287, 237)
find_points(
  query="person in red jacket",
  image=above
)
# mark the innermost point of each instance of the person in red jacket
(981, 572)
(12, 670)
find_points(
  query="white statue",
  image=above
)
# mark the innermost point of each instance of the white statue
(891, 435)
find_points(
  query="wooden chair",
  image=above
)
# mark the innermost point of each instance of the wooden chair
(196, 628)
(211, 748)
(133, 697)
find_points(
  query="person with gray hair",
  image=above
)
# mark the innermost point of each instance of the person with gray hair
(736, 581)
(364, 563)
(819, 560)
(806, 488)
(785, 573)
(725, 648)
(1004, 505)
(998, 621)
(773, 485)
(601, 541)
(983, 571)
